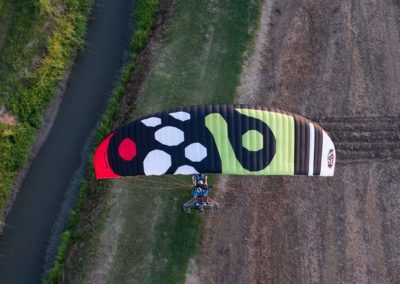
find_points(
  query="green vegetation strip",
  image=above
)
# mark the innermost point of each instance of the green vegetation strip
(39, 44)
(144, 16)
(200, 63)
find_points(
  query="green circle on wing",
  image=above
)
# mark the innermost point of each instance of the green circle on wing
(253, 140)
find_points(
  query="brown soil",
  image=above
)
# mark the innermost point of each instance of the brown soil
(336, 62)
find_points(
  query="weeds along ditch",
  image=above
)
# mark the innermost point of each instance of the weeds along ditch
(38, 45)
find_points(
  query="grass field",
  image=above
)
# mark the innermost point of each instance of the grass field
(37, 44)
(142, 235)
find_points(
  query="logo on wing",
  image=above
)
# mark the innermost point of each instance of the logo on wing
(331, 158)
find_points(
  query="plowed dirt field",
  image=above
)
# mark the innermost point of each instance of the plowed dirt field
(338, 63)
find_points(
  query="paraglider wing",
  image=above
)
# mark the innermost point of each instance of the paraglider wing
(230, 139)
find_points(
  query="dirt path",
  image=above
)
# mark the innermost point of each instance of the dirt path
(337, 62)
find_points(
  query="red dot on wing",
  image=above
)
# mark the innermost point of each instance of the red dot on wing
(127, 149)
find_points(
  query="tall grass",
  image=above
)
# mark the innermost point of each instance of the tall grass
(145, 14)
(28, 102)
(12, 158)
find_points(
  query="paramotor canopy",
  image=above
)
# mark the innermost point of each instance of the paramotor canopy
(229, 139)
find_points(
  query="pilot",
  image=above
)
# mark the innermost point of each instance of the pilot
(200, 189)
(200, 180)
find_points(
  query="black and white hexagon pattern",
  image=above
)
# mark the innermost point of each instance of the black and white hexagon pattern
(166, 144)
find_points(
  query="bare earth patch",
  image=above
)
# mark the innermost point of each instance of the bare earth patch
(7, 118)
(336, 63)
(192, 276)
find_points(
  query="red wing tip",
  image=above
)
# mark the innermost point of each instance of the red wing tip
(102, 167)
